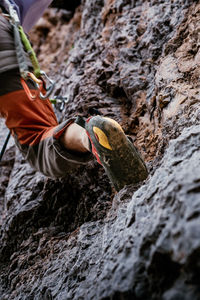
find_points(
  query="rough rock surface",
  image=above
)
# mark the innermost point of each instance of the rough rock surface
(138, 62)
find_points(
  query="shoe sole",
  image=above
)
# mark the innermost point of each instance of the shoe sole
(120, 159)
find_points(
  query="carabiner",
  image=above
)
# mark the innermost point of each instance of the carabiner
(38, 83)
(49, 89)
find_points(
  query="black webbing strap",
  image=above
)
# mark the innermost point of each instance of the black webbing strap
(5, 145)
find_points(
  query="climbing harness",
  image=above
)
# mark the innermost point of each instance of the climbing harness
(44, 86)
(38, 77)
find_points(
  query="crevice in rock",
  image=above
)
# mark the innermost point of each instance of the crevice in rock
(68, 5)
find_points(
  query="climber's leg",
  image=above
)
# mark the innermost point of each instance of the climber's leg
(39, 137)
(113, 149)
(75, 138)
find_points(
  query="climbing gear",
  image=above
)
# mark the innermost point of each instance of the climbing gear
(30, 51)
(37, 83)
(38, 77)
(4, 146)
(59, 102)
(114, 151)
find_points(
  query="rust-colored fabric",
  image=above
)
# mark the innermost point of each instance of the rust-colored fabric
(31, 121)
(36, 132)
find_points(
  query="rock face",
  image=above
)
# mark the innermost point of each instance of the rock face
(137, 62)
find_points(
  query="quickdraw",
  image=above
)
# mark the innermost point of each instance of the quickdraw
(40, 91)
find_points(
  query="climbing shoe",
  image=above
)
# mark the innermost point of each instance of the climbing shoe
(114, 151)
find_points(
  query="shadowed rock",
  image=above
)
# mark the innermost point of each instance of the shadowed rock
(137, 62)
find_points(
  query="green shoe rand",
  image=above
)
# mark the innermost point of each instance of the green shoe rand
(117, 154)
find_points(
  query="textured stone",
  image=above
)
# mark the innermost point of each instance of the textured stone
(136, 61)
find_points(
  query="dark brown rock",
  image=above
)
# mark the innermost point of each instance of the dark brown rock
(137, 62)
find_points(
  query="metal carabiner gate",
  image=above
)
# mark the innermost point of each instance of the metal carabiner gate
(38, 83)
(49, 89)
